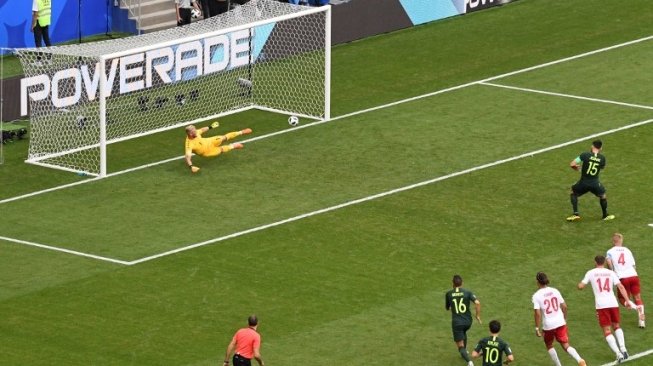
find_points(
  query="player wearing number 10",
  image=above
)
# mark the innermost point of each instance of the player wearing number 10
(550, 311)
(492, 348)
(603, 281)
(459, 301)
(590, 165)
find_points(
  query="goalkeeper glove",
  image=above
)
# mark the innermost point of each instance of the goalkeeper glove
(194, 169)
(215, 124)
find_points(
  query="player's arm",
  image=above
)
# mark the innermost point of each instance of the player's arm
(447, 302)
(584, 282)
(510, 358)
(537, 316)
(257, 355)
(189, 160)
(478, 350)
(608, 262)
(622, 290)
(563, 307)
(477, 306)
(576, 163)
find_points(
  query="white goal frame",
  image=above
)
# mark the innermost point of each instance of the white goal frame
(102, 92)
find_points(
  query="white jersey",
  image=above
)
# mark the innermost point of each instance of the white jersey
(603, 281)
(549, 301)
(623, 261)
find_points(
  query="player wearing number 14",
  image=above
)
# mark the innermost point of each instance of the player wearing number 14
(590, 165)
(603, 281)
(550, 312)
(459, 301)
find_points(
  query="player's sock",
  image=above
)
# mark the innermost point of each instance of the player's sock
(464, 354)
(573, 353)
(612, 343)
(554, 357)
(232, 135)
(574, 203)
(620, 339)
(604, 206)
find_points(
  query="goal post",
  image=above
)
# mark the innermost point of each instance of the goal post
(83, 98)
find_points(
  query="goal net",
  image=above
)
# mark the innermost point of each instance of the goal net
(82, 98)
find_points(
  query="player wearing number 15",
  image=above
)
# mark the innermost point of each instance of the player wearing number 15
(459, 301)
(603, 281)
(550, 311)
(590, 165)
(492, 348)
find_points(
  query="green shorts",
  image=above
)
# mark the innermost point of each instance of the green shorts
(460, 331)
(583, 186)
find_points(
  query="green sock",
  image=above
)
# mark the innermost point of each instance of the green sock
(464, 354)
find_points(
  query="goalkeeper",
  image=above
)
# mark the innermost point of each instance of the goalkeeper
(209, 146)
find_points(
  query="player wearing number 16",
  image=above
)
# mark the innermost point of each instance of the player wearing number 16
(458, 301)
(603, 281)
(590, 164)
(550, 311)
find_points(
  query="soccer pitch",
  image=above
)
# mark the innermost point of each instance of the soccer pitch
(448, 154)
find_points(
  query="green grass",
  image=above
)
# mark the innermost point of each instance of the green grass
(364, 282)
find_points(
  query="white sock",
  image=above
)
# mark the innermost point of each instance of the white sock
(612, 343)
(554, 356)
(620, 338)
(573, 353)
(641, 309)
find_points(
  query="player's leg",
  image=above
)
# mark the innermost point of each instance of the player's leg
(577, 190)
(217, 150)
(562, 336)
(605, 323)
(549, 336)
(635, 289)
(233, 135)
(460, 337)
(599, 190)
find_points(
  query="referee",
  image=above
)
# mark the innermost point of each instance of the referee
(247, 343)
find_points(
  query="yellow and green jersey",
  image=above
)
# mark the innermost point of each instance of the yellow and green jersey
(459, 300)
(492, 349)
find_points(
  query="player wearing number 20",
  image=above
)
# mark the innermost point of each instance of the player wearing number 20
(550, 311)
(459, 301)
(492, 348)
(590, 165)
(622, 261)
(603, 281)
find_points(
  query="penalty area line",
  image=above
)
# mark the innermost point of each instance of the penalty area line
(63, 250)
(387, 193)
(384, 106)
(631, 358)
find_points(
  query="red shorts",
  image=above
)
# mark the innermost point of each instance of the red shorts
(607, 316)
(632, 287)
(559, 334)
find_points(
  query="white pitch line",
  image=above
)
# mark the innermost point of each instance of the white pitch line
(68, 251)
(607, 101)
(651, 225)
(631, 357)
(402, 101)
(387, 193)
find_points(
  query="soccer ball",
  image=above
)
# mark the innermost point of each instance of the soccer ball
(195, 13)
(293, 120)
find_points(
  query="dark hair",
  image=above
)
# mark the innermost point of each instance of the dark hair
(597, 144)
(457, 280)
(495, 326)
(599, 259)
(252, 320)
(542, 278)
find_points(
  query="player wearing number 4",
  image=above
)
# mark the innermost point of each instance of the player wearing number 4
(621, 260)
(459, 301)
(550, 311)
(590, 165)
(603, 281)
(492, 348)
(209, 146)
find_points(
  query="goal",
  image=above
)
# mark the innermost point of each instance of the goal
(82, 98)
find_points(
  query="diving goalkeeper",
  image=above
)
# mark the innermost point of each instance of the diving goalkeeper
(209, 146)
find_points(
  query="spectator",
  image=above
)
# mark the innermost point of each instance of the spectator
(184, 8)
(41, 17)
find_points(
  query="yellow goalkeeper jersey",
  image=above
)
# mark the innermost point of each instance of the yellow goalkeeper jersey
(199, 145)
